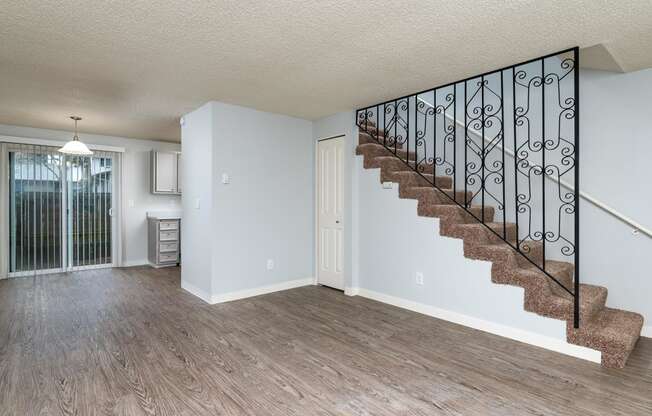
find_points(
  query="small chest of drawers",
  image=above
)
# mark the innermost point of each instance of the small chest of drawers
(164, 242)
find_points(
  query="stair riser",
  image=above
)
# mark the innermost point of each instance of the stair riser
(532, 251)
(365, 138)
(478, 234)
(566, 279)
(391, 165)
(452, 213)
(412, 179)
(614, 354)
(372, 150)
(430, 195)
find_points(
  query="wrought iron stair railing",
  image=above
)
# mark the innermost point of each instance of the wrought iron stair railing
(470, 129)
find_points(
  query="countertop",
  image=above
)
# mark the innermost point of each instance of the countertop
(164, 215)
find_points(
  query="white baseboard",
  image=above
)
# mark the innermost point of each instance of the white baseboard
(351, 291)
(134, 263)
(647, 332)
(247, 293)
(192, 289)
(527, 337)
(261, 290)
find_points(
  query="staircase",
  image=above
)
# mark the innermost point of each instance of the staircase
(459, 172)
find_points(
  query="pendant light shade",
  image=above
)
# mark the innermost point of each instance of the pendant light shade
(75, 147)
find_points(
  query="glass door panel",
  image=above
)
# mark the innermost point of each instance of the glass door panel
(89, 197)
(35, 209)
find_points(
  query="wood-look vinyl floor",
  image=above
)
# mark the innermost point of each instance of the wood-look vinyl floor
(131, 342)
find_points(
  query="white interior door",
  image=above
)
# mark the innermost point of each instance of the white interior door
(329, 217)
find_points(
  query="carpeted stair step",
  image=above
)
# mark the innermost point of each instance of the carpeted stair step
(613, 332)
(431, 195)
(479, 234)
(454, 214)
(380, 132)
(366, 138)
(371, 151)
(529, 255)
(592, 301)
(362, 123)
(411, 179)
(562, 271)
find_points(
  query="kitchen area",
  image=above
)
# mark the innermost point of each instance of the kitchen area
(164, 226)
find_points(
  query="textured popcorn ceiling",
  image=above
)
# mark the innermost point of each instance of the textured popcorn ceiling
(131, 68)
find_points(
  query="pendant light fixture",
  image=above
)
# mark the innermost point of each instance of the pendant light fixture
(75, 147)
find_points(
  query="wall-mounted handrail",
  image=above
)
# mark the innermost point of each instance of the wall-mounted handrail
(637, 227)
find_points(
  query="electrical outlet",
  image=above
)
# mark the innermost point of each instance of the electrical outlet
(225, 178)
(419, 278)
(270, 264)
(387, 185)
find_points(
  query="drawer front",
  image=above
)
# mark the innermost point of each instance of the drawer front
(168, 225)
(167, 247)
(168, 236)
(167, 257)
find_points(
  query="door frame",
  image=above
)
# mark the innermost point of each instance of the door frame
(345, 199)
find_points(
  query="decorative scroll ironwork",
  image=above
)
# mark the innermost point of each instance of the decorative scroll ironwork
(510, 140)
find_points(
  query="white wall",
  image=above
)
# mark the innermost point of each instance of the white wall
(265, 212)
(616, 150)
(136, 183)
(197, 184)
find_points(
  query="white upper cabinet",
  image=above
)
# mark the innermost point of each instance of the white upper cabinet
(165, 173)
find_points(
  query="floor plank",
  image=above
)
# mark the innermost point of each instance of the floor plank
(131, 342)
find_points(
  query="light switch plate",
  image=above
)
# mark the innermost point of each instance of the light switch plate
(197, 203)
(131, 203)
(225, 178)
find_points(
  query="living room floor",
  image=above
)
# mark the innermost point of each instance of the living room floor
(131, 342)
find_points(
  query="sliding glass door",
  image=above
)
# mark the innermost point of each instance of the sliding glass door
(89, 196)
(60, 210)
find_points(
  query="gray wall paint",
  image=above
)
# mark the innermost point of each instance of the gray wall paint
(616, 149)
(136, 173)
(265, 212)
(197, 185)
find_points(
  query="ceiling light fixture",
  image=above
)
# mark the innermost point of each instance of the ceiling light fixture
(75, 147)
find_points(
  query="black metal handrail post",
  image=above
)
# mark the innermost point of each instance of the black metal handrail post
(576, 76)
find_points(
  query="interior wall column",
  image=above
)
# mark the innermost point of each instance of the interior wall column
(4, 211)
